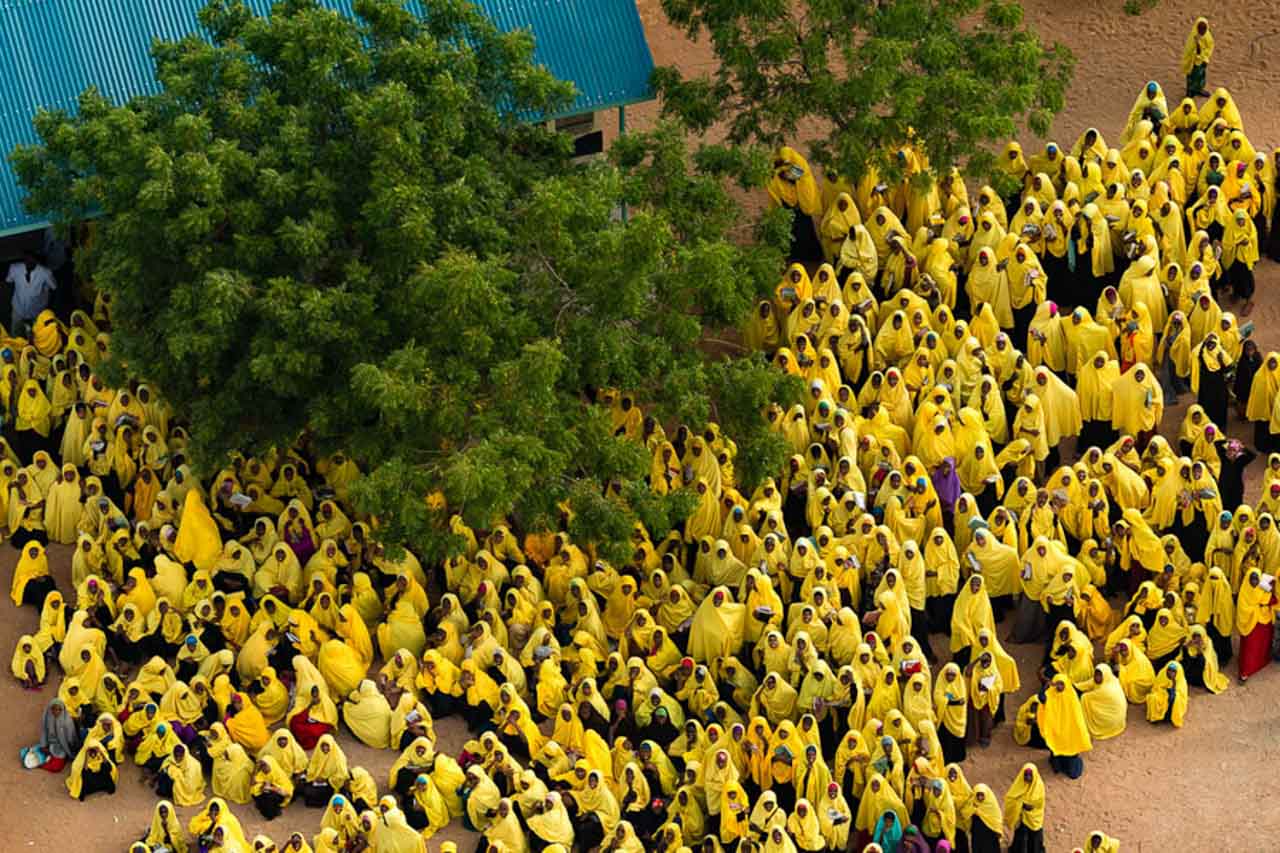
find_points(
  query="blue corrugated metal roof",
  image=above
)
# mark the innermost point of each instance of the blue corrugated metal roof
(52, 50)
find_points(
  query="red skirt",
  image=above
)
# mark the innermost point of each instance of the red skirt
(53, 764)
(307, 731)
(1255, 649)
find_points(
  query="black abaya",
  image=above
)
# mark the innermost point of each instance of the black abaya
(953, 747)
(805, 247)
(1213, 394)
(1027, 840)
(982, 839)
(1231, 480)
(1273, 231)
(1193, 669)
(93, 782)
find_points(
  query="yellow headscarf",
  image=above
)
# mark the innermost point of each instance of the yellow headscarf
(187, 776)
(1199, 644)
(1170, 687)
(316, 702)
(166, 829)
(1024, 803)
(247, 726)
(217, 815)
(92, 757)
(951, 699)
(27, 652)
(232, 767)
(1061, 720)
(1198, 49)
(1136, 674)
(1104, 704)
(198, 539)
(368, 714)
(32, 565)
(1166, 635)
(793, 184)
(328, 766)
(35, 412)
(878, 798)
(1254, 605)
(268, 774)
(158, 742)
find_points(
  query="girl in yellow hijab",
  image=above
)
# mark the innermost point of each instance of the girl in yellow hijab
(878, 798)
(31, 579)
(1200, 662)
(342, 666)
(1255, 617)
(368, 714)
(138, 592)
(1165, 639)
(402, 630)
(326, 771)
(245, 724)
(805, 828)
(272, 788)
(1135, 671)
(427, 812)
(1196, 53)
(986, 694)
(794, 187)
(35, 418)
(62, 506)
(506, 833)
(217, 818)
(1167, 701)
(92, 772)
(1239, 254)
(232, 768)
(181, 778)
(28, 664)
(1024, 809)
(156, 746)
(166, 830)
(951, 701)
(1063, 727)
(1104, 704)
(717, 627)
(414, 759)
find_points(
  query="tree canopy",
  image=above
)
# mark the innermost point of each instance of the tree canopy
(345, 230)
(858, 79)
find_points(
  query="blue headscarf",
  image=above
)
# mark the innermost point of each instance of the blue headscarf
(888, 832)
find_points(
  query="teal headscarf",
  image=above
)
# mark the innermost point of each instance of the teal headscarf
(888, 832)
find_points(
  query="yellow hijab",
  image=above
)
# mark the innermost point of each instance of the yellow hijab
(1061, 719)
(187, 776)
(1170, 687)
(32, 565)
(166, 829)
(1024, 803)
(368, 714)
(92, 757)
(328, 763)
(198, 539)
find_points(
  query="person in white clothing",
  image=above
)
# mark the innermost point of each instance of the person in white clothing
(32, 283)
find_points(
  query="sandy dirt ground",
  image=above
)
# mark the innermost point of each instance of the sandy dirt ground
(1206, 787)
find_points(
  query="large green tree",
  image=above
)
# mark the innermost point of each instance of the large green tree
(350, 230)
(853, 78)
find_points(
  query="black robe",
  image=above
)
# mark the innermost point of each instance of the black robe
(1213, 394)
(1231, 480)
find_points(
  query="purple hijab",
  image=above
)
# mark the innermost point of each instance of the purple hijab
(946, 483)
